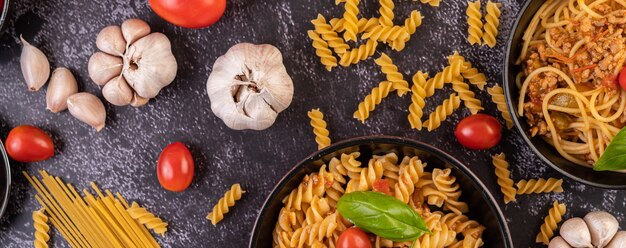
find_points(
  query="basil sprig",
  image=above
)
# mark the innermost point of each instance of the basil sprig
(614, 157)
(382, 215)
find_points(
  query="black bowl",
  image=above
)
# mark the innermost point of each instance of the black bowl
(4, 15)
(5, 179)
(485, 209)
(609, 180)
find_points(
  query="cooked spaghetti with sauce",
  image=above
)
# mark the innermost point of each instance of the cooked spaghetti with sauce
(572, 54)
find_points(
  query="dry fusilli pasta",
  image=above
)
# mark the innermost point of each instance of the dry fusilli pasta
(442, 112)
(470, 73)
(445, 76)
(351, 21)
(474, 22)
(40, 222)
(539, 186)
(504, 177)
(330, 36)
(491, 23)
(396, 36)
(358, 54)
(148, 219)
(466, 95)
(497, 96)
(223, 205)
(393, 75)
(386, 12)
(551, 222)
(364, 24)
(319, 128)
(374, 98)
(418, 96)
(322, 51)
(434, 3)
(413, 21)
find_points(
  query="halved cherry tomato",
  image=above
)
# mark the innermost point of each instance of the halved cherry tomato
(479, 131)
(175, 167)
(29, 144)
(622, 78)
(353, 237)
(381, 185)
(189, 13)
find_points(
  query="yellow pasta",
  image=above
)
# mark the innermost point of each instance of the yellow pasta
(504, 177)
(355, 55)
(330, 36)
(148, 219)
(466, 95)
(364, 24)
(448, 74)
(441, 237)
(386, 12)
(497, 96)
(434, 3)
(374, 98)
(414, 21)
(307, 235)
(474, 22)
(418, 97)
(539, 186)
(442, 112)
(551, 223)
(351, 21)
(491, 23)
(322, 51)
(391, 71)
(319, 128)
(470, 73)
(40, 222)
(223, 205)
(395, 35)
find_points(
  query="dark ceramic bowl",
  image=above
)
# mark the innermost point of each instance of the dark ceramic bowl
(5, 179)
(485, 209)
(4, 14)
(610, 180)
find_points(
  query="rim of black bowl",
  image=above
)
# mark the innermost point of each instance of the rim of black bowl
(387, 140)
(516, 119)
(4, 15)
(7, 170)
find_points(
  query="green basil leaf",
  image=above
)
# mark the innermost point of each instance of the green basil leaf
(382, 215)
(614, 157)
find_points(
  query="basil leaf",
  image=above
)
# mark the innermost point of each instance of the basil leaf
(614, 157)
(382, 215)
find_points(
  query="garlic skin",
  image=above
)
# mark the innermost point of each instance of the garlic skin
(110, 40)
(117, 92)
(87, 108)
(133, 29)
(602, 227)
(62, 85)
(138, 101)
(35, 66)
(619, 240)
(249, 86)
(576, 233)
(558, 242)
(103, 67)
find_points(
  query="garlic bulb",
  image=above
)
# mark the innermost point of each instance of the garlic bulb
(249, 86)
(35, 66)
(62, 85)
(576, 233)
(602, 227)
(619, 240)
(558, 242)
(117, 92)
(149, 65)
(88, 109)
(138, 101)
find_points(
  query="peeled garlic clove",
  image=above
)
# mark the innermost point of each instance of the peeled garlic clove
(576, 233)
(134, 29)
(138, 101)
(619, 240)
(150, 65)
(103, 67)
(558, 242)
(117, 92)
(602, 227)
(62, 85)
(35, 66)
(110, 40)
(88, 109)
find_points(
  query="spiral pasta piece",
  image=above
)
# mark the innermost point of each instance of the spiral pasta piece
(148, 219)
(329, 35)
(374, 98)
(504, 177)
(466, 95)
(497, 96)
(364, 24)
(223, 205)
(539, 186)
(356, 55)
(414, 21)
(395, 35)
(322, 50)
(393, 75)
(418, 100)
(317, 210)
(469, 72)
(442, 112)
(40, 222)
(448, 74)
(474, 22)
(319, 128)
(386, 12)
(405, 186)
(351, 21)
(442, 237)
(307, 235)
(491, 24)
(434, 3)
(551, 222)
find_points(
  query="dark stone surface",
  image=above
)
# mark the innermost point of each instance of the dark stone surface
(122, 157)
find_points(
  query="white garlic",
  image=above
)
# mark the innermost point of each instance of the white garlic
(619, 240)
(103, 67)
(62, 85)
(133, 29)
(35, 66)
(117, 92)
(558, 242)
(249, 86)
(110, 40)
(88, 109)
(576, 233)
(138, 101)
(602, 227)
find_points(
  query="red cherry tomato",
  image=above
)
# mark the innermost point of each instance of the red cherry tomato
(189, 13)
(381, 185)
(479, 131)
(353, 238)
(175, 167)
(622, 78)
(29, 144)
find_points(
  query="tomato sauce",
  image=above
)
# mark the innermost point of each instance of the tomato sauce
(1, 6)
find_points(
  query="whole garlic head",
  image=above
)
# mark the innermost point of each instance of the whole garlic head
(602, 227)
(249, 86)
(576, 233)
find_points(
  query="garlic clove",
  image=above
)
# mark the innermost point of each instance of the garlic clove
(558, 242)
(150, 65)
(62, 85)
(576, 233)
(87, 108)
(110, 40)
(35, 66)
(602, 227)
(134, 29)
(138, 101)
(117, 92)
(619, 240)
(103, 67)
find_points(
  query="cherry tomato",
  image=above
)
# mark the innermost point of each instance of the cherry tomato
(29, 144)
(175, 167)
(353, 237)
(189, 13)
(622, 78)
(381, 185)
(479, 131)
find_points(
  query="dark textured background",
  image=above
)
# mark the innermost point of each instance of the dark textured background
(122, 157)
